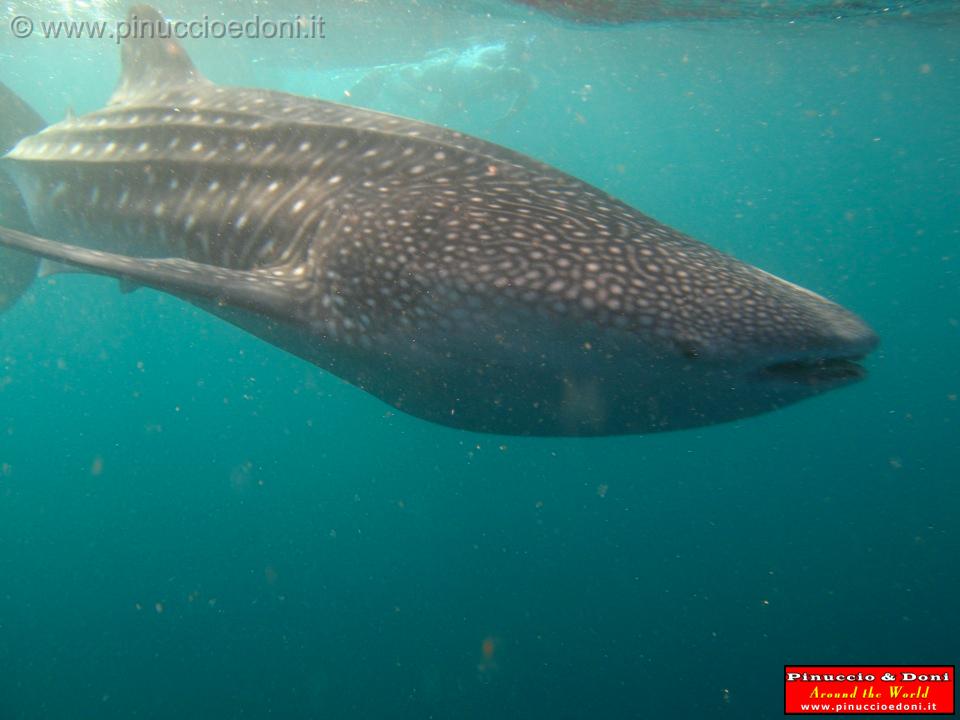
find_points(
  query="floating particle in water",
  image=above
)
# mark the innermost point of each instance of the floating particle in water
(241, 475)
(488, 655)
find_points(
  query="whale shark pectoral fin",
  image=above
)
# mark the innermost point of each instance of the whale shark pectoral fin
(270, 292)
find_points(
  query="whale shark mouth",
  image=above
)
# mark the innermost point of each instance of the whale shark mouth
(815, 371)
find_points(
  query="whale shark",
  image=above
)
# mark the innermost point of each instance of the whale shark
(457, 280)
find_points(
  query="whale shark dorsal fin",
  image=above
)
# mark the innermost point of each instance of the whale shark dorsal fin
(151, 58)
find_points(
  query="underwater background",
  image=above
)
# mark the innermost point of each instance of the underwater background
(194, 524)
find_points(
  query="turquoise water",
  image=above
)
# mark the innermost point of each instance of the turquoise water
(195, 524)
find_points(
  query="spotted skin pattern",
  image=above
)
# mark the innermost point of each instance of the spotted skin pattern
(455, 279)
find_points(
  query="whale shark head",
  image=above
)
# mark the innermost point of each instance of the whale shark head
(742, 342)
(456, 280)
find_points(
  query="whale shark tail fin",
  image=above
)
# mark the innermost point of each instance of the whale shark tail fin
(17, 269)
(17, 272)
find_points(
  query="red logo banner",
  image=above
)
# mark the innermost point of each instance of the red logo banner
(869, 689)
